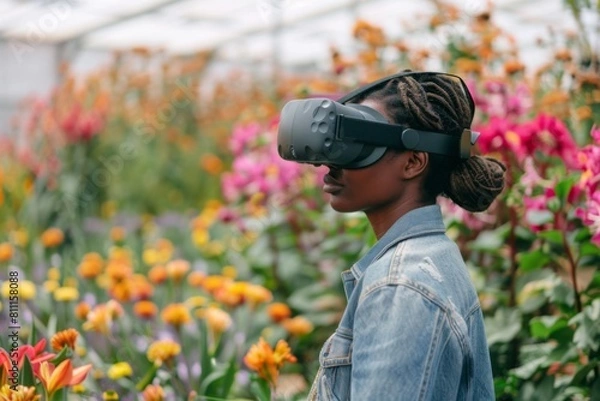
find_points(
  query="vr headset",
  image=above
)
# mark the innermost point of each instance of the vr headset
(349, 135)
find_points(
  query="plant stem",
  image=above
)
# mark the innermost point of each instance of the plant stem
(572, 271)
(512, 242)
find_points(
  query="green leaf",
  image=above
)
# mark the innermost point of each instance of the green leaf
(539, 217)
(218, 383)
(261, 389)
(62, 355)
(552, 236)
(563, 188)
(530, 368)
(488, 241)
(542, 327)
(26, 377)
(148, 377)
(503, 327)
(587, 334)
(529, 261)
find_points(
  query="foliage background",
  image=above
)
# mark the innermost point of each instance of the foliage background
(140, 186)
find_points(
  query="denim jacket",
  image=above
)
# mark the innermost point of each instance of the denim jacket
(413, 328)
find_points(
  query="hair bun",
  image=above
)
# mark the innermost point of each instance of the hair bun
(475, 183)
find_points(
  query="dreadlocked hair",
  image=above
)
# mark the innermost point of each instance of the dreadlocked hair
(432, 102)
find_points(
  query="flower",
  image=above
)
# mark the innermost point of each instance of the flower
(176, 315)
(18, 393)
(153, 393)
(91, 265)
(278, 311)
(110, 395)
(6, 252)
(145, 309)
(52, 237)
(117, 234)
(26, 290)
(119, 370)
(54, 378)
(163, 351)
(266, 361)
(196, 278)
(82, 309)
(158, 274)
(217, 319)
(64, 338)
(297, 326)
(66, 294)
(177, 269)
(100, 318)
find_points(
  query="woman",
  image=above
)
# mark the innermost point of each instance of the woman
(413, 328)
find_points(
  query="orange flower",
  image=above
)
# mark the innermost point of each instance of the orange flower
(211, 164)
(158, 274)
(177, 269)
(52, 237)
(196, 278)
(54, 378)
(6, 252)
(91, 265)
(101, 317)
(145, 309)
(118, 271)
(117, 234)
(153, 393)
(18, 393)
(266, 361)
(297, 326)
(278, 311)
(82, 309)
(513, 66)
(216, 319)
(176, 315)
(214, 282)
(257, 294)
(163, 351)
(65, 338)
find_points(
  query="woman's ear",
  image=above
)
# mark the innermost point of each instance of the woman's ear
(416, 163)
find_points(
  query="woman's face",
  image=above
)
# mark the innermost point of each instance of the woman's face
(377, 187)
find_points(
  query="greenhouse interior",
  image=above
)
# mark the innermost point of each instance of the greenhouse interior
(161, 237)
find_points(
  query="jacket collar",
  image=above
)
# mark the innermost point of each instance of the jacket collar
(421, 221)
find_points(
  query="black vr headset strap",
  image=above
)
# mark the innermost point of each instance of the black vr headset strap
(392, 136)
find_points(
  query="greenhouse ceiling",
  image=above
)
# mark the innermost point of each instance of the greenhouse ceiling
(297, 32)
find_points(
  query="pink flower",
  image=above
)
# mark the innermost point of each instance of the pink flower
(549, 135)
(590, 215)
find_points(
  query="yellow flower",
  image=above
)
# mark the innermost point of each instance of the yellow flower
(297, 326)
(20, 237)
(53, 273)
(119, 370)
(110, 395)
(50, 286)
(6, 252)
(18, 393)
(153, 393)
(25, 289)
(66, 294)
(229, 271)
(266, 361)
(79, 389)
(64, 338)
(213, 248)
(278, 311)
(176, 315)
(163, 351)
(200, 237)
(196, 301)
(52, 237)
(216, 319)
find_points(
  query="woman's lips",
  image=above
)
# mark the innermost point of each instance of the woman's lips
(331, 185)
